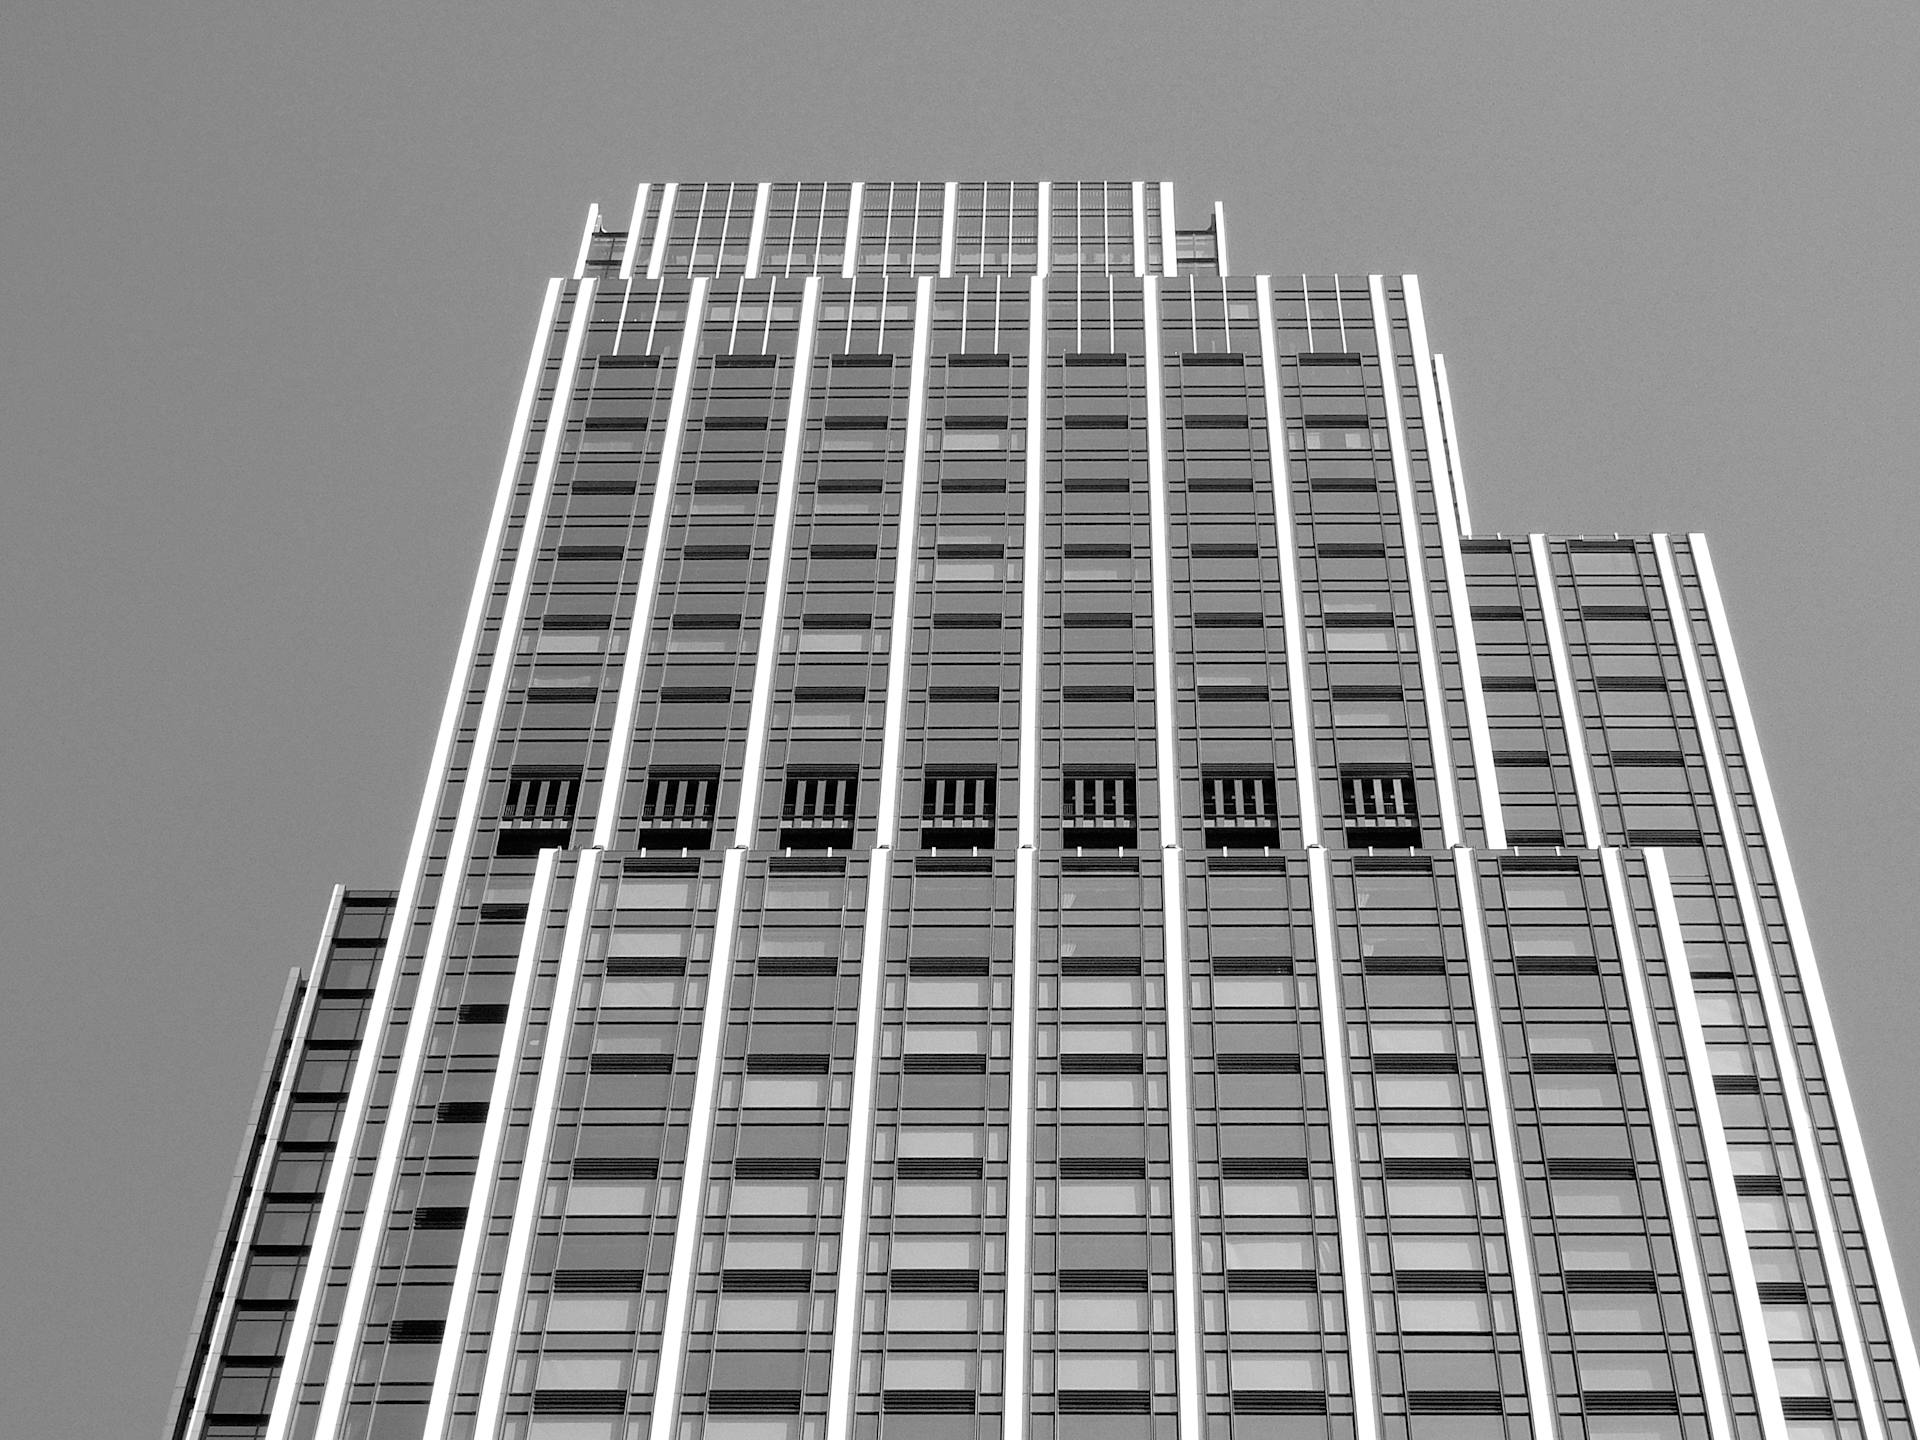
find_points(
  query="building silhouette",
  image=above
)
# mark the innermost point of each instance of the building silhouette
(1002, 862)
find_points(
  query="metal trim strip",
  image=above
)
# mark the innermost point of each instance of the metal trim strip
(1479, 728)
(1515, 1222)
(586, 241)
(486, 1168)
(1434, 699)
(662, 227)
(630, 251)
(1354, 1274)
(1746, 1292)
(1455, 468)
(949, 224)
(1666, 1143)
(1140, 230)
(757, 231)
(1299, 707)
(633, 665)
(546, 1096)
(1572, 722)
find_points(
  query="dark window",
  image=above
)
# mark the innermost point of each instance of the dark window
(958, 807)
(819, 809)
(1100, 808)
(539, 813)
(1240, 808)
(679, 808)
(1379, 808)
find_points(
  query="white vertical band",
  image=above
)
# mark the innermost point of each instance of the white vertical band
(1346, 1178)
(767, 653)
(1220, 238)
(421, 1019)
(1726, 1197)
(1016, 1393)
(313, 1285)
(1043, 229)
(248, 1202)
(1865, 1201)
(1479, 730)
(662, 226)
(1186, 1265)
(1438, 729)
(1032, 553)
(1140, 229)
(1169, 251)
(631, 249)
(1299, 709)
(949, 225)
(1666, 1144)
(1572, 723)
(546, 1099)
(855, 194)
(900, 637)
(678, 1314)
(1779, 1030)
(757, 235)
(633, 665)
(843, 1385)
(1513, 1203)
(1454, 467)
(586, 241)
(486, 1167)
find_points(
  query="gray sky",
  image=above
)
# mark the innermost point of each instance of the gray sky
(268, 274)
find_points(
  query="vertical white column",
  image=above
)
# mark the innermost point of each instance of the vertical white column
(1299, 710)
(843, 1386)
(1169, 256)
(1346, 1177)
(757, 234)
(1885, 1276)
(662, 226)
(1453, 445)
(1779, 1029)
(1571, 720)
(686, 1235)
(1140, 229)
(1429, 654)
(855, 196)
(1666, 1144)
(546, 1099)
(949, 223)
(1479, 730)
(1220, 237)
(486, 1168)
(313, 1285)
(586, 241)
(767, 652)
(294, 1029)
(1513, 1203)
(1186, 1263)
(1726, 1196)
(633, 665)
(433, 962)
(631, 250)
(1016, 1393)
(1043, 227)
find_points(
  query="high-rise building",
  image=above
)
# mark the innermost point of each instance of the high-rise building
(1003, 863)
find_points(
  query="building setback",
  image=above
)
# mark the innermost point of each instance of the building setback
(1003, 863)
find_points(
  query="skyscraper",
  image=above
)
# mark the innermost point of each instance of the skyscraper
(1003, 863)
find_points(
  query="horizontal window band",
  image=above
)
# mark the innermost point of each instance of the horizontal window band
(1089, 1281)
(1611, 1282)
(583, 486)
(1095, 358)
(1630, 682)
(1588, 1168)
(944, 1064)
(967, 620)
(1217, 485)
(440, 1217)
(938, 1168)
(620, 1063)
(743, 360)
(627, 362)
(981, 359)
(783, 1064)
(1349, 550)
(1615, 612)
(734, 422)
(1523, 759)
(1102, 1064)
(1439, 1168)
(705, 622)
(1257, 1064)
(417, 1330)
(562, 695)
(827, 620)
(1439, 1282)
(1416, 1064)
(962, 694)
(766, 1282)
(1271, 1282)
(601, 423)
(753, 1402)
(927, 1402)
(862, 360)
(616, 1167)
(974, 422)
(1232, 358)
(1099, 620)
(1216, 422)
(716, 552)
(1507, 684)
(694, 695)
(576, 622)
(1630, 1402)
(856, 422)
(1539, 865)
(1089, 694)
(1454, 1402)
(1327, 359)
(1575, 1065)
(1104, 1402)
(1097, 422)
(1236, 551)
(1277, 1402)
(776, 1167)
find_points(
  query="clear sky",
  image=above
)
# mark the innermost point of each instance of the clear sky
(268, 274)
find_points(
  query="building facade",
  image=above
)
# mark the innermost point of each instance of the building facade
(1002, 862)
